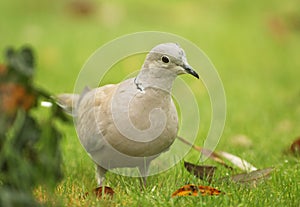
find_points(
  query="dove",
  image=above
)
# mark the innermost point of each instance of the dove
(129, 124)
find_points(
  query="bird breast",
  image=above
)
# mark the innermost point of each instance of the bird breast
(134, 123)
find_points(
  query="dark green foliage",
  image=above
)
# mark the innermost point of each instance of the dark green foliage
(29, 148)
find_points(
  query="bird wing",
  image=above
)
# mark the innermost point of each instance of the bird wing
(93, 116)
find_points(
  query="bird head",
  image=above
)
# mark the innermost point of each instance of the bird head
(169, 56)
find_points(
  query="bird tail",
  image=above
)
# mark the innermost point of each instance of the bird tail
(68, 102)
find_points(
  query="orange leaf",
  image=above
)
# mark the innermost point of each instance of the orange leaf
(194, 190)
(207, 190)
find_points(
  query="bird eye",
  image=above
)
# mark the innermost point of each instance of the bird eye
(165, 59)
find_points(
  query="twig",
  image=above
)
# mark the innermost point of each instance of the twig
(208, 153)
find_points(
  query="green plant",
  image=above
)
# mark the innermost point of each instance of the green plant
(29, 148)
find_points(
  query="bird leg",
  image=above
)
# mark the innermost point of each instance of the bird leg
(100, 175)
(143, 182)
(144, 173)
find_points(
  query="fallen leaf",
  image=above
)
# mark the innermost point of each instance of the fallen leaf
(239, 162)
(203, 172)
(295, 147)
(107, 191)
(99, 191)
(207, 190)
(251, 178)
(81, 8)
(208, 153)
(194, 190)
(219, 157)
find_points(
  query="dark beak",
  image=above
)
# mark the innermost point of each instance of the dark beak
(190, 70)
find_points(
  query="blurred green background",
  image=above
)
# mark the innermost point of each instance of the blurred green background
(253, 44)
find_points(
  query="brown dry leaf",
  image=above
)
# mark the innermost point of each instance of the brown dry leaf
(100, 192)
(81, 8)
(194, 190)
(206, 152)
(295, 147)
(203, 172)
(251, 178)
(107, 191)
(219, 157)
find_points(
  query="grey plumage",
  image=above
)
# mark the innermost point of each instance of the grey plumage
(131, 123)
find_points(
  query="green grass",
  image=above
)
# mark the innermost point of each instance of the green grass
(255, 48)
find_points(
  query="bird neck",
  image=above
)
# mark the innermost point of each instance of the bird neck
(155, 78)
